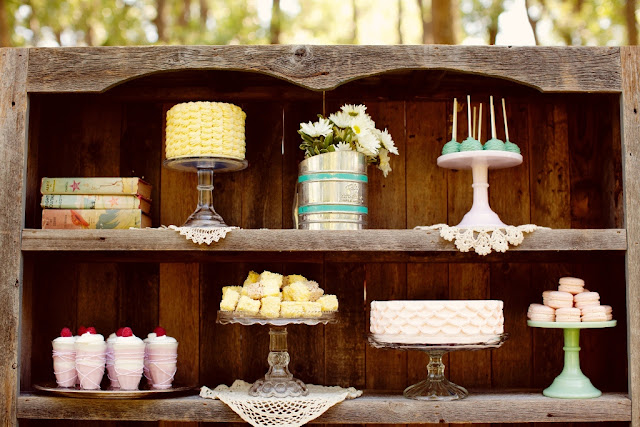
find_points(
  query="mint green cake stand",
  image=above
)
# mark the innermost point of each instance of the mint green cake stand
(572, 383)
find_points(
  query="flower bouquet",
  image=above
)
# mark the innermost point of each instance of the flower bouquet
(350, 129)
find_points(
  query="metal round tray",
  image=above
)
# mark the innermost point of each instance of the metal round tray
(53, 389)
(229, 317)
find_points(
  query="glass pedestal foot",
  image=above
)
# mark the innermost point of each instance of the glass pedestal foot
(436, 386)
(278, 381)
(572, 383)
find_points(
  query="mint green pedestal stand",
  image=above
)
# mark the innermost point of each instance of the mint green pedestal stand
(572, 383)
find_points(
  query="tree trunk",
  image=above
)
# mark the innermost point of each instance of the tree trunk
(427, 37)
(443, 17)
(275, 22)
(204, 11)
(495, 11)
(185, 16)
(399, 23)
(532, 22)
(159, 20)
(632, 29)
(354, 22)
(5, 31)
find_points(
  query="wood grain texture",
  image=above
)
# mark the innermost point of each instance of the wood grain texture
(13, 137)
(374, 407)
(326, 67)
(158, 240)
(631, 163)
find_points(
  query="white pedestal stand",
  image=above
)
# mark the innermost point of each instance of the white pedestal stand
(480, 162)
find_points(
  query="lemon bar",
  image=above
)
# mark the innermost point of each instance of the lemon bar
(270, 307)
(225, 289)
(253, 277)
(312, 309)
(299, 292)
(329, 302)
(229, 299)
(248, 305)
(293, 278)
(291, 309)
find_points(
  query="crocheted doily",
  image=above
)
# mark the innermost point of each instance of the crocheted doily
(483, 239)
(289, 411)
(203, 235)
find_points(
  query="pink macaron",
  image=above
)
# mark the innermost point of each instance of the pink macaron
(541, 313)
(568, 314)
(586, 299)
(597, 313)
(573, 285)
(557, 299)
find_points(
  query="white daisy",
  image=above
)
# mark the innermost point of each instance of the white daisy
(360, 125)
(320, 128)
(386, 141)
(384, 165)
(354, 110)
(341, 119)
(368, 144)
(343, 146)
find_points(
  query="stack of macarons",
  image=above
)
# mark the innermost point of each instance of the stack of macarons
(570, 303)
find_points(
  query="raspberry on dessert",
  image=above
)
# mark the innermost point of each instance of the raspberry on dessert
(66, 332)
(127, 332)
(159, 331)
(119, 332)
(82, 330)
(91, 330)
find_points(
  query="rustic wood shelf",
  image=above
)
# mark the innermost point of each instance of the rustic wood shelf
(408, 241)
(373, 407)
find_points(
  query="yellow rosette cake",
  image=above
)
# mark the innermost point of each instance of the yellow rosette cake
(205, 129)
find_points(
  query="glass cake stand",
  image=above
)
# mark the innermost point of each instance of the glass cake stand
(278, 381)
(572, 383)
(480, 162)
(205, 216)
(437, 386)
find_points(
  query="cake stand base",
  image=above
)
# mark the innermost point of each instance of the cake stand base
(436, 386)
(278, 381)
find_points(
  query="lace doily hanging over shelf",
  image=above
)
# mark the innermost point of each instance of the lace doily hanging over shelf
(483, 240)
(288, 411)
(203, 235)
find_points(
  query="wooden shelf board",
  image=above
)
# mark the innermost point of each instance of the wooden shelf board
(242, 241)
(373, 407)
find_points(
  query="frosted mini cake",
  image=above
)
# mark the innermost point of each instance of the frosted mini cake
(196, 129)
(436, 322)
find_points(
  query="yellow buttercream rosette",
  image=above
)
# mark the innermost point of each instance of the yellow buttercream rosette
(197, 129)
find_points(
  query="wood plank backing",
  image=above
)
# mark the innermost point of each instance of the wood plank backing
(631, 162)
(326, 67)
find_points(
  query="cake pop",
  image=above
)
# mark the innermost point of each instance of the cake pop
(453, 146)
(470, 144)
(494, 143)
(508, 145)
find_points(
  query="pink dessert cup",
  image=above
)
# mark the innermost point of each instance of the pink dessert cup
(111, 370)
(163, 359)
(129, 364)
(90, 367)
(64, 364)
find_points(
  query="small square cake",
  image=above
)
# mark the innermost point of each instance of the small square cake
(315, 291)
(270, 307)
(253, 277)
(271, 283)
(253, 290)
(291, 309)
(299, 291)
(312, 309)
(293, 278)
(328, 302)
(230, 298)
(247, 305)
(238, 289)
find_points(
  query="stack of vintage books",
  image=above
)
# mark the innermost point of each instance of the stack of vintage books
(95, 203)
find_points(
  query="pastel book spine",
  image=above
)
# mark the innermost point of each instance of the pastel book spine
(87, 201)
(77, 219)
(134, 186)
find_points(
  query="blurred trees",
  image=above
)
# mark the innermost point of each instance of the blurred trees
(137, 22)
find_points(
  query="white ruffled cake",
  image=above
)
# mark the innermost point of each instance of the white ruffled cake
(436, 322)
(198, 129)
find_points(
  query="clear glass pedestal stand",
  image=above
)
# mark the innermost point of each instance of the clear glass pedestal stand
(278, 381)
(205, 215)
(480, 162)
(437, 386)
